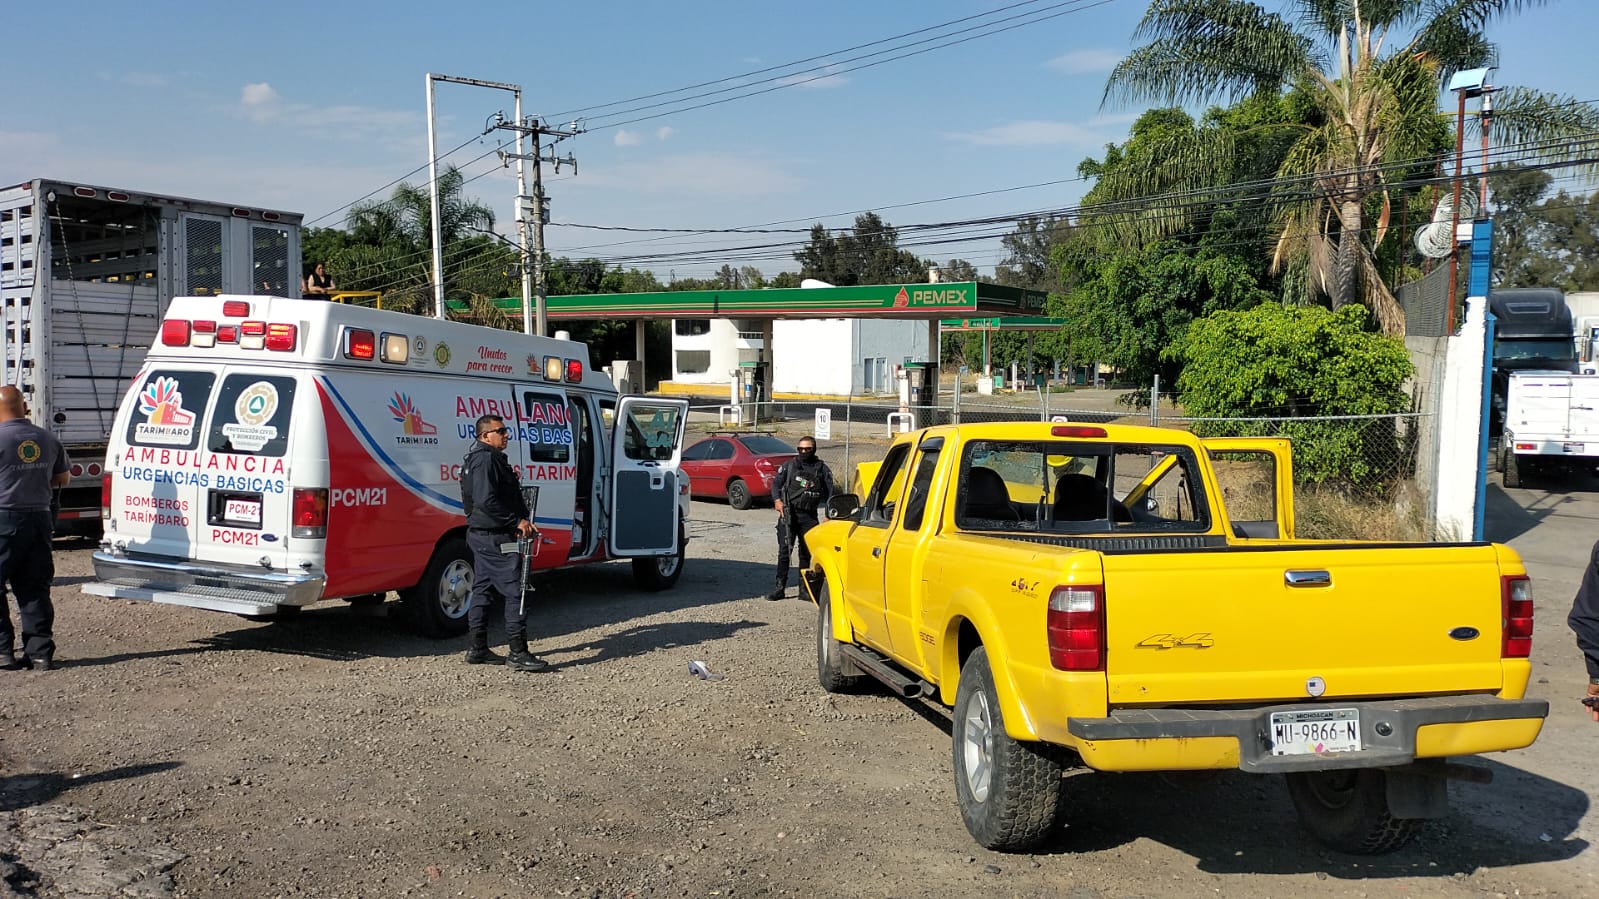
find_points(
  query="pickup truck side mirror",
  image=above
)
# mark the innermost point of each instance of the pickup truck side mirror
(842, 505)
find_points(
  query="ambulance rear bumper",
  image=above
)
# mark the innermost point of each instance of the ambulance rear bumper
(222, 588)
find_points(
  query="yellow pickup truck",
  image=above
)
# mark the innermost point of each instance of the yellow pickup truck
(1081, 595)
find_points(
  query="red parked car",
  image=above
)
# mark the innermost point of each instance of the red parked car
(739, 467)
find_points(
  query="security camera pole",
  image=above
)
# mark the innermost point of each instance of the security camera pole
(539, 208)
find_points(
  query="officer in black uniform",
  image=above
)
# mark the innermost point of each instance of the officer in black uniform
(496, 515)
(1584, 620)
(32, 462)
(799, 490)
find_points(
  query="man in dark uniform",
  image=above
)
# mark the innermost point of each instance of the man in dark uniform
(799, 490)
(32, 462)
(496, 515)
(1584, 620)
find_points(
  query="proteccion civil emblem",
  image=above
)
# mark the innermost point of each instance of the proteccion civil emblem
(441, 354)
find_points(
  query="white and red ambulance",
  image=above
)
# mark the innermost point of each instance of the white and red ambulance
(275, 452)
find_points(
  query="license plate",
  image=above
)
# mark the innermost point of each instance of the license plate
(1315, 731)
(247, 511)
(1574, 447)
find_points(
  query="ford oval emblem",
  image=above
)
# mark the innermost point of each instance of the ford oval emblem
(269, 538)
(1464, 633)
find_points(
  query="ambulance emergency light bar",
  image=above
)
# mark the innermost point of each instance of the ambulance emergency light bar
(360, 344)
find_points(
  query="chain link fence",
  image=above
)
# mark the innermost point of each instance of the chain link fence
(1355, 476)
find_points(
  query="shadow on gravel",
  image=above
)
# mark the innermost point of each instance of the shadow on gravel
(1235, 823)
(19, 791)
(564, 602)
(647, 638)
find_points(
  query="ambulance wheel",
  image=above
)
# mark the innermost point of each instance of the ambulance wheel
(437, 604)
(656, 573)
(738, 494)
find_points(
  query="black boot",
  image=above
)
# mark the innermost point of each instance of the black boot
(10, 662)
(778, 592)
(479, 653)
(519, 658)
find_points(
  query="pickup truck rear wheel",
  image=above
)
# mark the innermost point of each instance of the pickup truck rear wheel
(835, 672)
(1009, 791)
(1348, 810)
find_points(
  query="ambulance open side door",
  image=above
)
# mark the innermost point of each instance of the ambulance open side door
(646, 446)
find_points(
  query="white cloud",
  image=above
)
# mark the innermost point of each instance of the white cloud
(825, 79)
(1029, 133)
(626, 138)
(1078, 62)
(664, 132)
(696, 174)
(262, 104)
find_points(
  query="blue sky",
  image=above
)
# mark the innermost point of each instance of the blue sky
(309, 106)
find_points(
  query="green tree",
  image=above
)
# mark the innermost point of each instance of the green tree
(868, 254)
(1299, 362)
(954, 270)
(1028, 249)
(1369, 75)
(1131, 308)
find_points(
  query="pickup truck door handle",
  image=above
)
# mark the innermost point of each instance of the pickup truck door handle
(1308, 578)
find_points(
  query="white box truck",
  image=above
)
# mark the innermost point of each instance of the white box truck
(86, 274)
(1551, 421)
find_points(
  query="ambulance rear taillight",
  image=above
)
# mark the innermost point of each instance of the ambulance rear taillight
(310, 511)
(105, 496)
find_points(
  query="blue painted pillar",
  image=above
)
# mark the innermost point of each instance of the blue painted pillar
(1477, 286)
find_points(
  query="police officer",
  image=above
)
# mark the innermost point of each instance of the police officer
(496, 515)
(1584, 620)
(799, 490)
(31, 463)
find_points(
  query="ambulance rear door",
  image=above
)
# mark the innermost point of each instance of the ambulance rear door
(157, 505)
(646, 446)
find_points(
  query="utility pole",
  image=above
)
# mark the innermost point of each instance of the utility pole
(536, 319)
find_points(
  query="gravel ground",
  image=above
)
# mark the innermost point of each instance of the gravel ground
(190, 753)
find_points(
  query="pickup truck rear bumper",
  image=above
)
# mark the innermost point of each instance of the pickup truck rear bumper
(1393, 732)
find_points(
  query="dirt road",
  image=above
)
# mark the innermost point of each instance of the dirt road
(191, 753)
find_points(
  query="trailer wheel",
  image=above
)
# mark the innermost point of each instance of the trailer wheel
(1510, 467)
(834, 672)
(1348, 810)
(1009, 791)
(437, 604)
(657, 573)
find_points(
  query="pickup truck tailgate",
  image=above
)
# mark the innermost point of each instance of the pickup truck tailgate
(1261, 624)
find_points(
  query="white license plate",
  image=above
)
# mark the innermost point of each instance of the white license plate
(1575, 447)
(1314, 731)
(245, 510)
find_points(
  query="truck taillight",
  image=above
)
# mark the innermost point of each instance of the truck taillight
(1516, 602)
(310, 512)
(105, 497)
(1077, 628)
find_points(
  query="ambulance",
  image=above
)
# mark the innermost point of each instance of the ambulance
(273, 453)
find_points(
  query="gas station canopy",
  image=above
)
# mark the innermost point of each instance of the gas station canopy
(911, 301)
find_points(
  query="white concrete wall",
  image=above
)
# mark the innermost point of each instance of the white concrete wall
(825, 355)
(1460, 418)
(721, 341)
(813, 356)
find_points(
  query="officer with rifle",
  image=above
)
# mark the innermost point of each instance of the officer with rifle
(799, 491)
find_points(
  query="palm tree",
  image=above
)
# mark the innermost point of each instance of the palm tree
(394, 238)
(1370, 72)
